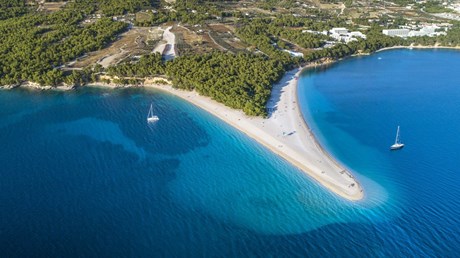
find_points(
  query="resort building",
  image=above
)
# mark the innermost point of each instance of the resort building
(396, 32)
(339, 31)
(343, 35)
(324, 32)
(426, 30)
(357, 34)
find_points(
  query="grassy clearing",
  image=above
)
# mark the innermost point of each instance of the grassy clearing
(143, 16)
(137, 41)
(53, 6)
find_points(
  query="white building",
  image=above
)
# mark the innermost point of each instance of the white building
(324, 32)
(414, 33)
(426, 30)
(342, 34)
(429, 29)
(339, 31)
(396, 32)
(293, 53)
(357, 34)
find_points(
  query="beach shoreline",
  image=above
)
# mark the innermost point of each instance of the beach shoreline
(285, 132)
(417, 47)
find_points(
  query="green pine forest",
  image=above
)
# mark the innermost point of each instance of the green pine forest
(35, 45)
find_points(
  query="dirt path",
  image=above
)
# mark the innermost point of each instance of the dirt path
(167, 49)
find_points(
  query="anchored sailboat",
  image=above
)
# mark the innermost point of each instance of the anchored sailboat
(398, 145)
(150, 117)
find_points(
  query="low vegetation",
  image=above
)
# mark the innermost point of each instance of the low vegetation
(434, 7)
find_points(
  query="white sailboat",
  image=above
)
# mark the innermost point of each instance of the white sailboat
(398, 145)
(151, 117)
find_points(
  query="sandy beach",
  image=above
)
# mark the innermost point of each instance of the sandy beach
(285, 133)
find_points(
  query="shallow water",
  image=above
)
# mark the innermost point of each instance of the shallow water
(83, 174)
(355, 106)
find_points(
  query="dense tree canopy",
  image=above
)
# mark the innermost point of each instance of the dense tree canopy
(33, 46)
(188, 12)
(119, 7)
(267, 34)
(12, 8)
(148, 65)
(240, 81)
(257, 33)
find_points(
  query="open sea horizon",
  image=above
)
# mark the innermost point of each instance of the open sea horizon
(84, 175)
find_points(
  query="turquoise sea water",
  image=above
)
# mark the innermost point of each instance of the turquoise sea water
(83, 174)
(355, 106)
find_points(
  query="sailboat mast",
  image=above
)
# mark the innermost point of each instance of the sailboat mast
(150, 111)
(397, 135)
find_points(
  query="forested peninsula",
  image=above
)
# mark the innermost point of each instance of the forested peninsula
(224, 53)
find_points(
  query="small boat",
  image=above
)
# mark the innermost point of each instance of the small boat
(150, 117)
(398, 145)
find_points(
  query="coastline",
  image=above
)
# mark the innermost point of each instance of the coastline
(284, 132)
(417, 47)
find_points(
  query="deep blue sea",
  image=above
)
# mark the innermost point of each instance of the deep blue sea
(83, 175)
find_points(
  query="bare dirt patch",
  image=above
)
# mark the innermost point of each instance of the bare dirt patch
(52, 6)
(221, 28)
(223, 35)
(143, 16)
(137, 41)
(189, 40)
